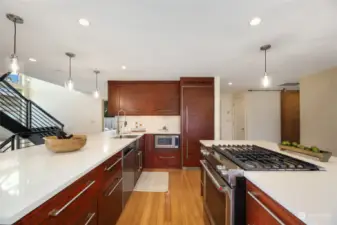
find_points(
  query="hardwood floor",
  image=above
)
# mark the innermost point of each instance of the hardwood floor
(181, 205)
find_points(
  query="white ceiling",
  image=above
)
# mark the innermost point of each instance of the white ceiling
(166, 39)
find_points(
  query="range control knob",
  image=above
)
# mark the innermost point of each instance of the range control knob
(220, 167)
(204, 152)
(224, 172)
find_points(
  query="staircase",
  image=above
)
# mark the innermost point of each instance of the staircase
(24, 118)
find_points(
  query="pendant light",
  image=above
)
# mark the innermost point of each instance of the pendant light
(96, 92)
(14, 64)
(69, 83)
(266, 79)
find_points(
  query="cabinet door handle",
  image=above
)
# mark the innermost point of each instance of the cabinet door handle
(166, 157)
(90, 217)
(187, 149)
(140, 159)
(56, 212)
(109, 168)
(187, 122)
(251, 194)
(114, 188)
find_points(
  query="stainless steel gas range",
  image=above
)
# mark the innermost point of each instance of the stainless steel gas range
(223, 182)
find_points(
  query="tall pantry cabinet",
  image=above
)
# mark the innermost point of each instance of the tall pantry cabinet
(197, 117)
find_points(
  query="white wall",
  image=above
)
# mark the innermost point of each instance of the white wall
(4, 134)
(318, 106)
(217, 109)
(80, 113)
(226, 116)
(263, 116)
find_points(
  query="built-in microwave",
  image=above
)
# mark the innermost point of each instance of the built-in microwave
(166, 141)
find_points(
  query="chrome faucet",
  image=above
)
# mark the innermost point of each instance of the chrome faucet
(118, 121)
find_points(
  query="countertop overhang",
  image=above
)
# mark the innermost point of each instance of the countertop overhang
(309, 195)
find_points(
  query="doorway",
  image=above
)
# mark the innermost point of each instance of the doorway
(239, 118)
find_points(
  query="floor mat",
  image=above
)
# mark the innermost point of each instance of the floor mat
(153, 182)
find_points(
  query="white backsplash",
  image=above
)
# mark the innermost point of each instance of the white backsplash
(155, 123)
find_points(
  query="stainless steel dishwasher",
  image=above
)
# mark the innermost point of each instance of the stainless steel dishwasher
(129, 169)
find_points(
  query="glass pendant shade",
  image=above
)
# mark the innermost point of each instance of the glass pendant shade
(266, 80)
(96, 94)
(14, 65)
(69, 84)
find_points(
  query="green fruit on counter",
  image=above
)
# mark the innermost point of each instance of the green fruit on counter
(294, 144)
(285, 143)
(301, 146)
(315, 149)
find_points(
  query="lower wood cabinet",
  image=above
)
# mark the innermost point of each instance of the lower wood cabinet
(95, 198)
(160, 158)
(263, 210)
(166, 158)
(110, 201)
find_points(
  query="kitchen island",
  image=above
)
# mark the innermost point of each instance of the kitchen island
(30, 177)
(308, 195)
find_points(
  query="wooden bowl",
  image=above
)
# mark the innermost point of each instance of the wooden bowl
(65, 145)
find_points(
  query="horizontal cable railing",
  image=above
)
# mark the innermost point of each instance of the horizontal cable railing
(23, 110)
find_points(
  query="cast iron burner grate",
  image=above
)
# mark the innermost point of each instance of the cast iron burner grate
(256, 158)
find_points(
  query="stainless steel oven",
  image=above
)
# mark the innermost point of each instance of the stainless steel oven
(224, 192)
(166, 141)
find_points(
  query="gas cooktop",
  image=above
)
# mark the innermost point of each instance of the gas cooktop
(255, 158)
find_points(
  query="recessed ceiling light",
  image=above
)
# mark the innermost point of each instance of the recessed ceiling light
(32, 59)
(230, 83)
(84, 22)
(123, 67)
(255, 21)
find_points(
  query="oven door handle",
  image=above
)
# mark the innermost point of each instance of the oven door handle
(221, 188)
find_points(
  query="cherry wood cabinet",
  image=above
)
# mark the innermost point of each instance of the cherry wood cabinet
(263, 210)
(110, 198)
(160, 158)
(95, 198)
(149, 148)
(197, 117)
(144, 97)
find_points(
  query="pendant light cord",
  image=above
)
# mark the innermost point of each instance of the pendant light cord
(265, 62)
(14, 37)
(96, 82)
(69, 68)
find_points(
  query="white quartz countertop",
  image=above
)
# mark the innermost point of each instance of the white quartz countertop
(309, 195)
(31, 176)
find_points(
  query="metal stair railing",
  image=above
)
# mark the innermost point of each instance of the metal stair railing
(23, 110)
(20, 140)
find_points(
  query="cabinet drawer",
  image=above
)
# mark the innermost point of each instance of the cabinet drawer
(167, 159)
(274, 209)
(110, 169)
(79, 195)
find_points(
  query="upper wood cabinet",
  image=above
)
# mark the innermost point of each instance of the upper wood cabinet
(144, 97)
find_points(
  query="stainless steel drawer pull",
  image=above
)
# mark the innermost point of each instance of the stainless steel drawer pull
(110, 167)
(114, 188)
(187, 122)
(168, 157)
(90, 217)
(251, 194)
(187, 149)
(56, 212)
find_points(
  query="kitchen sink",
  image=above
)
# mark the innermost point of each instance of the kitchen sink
(126, 136)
